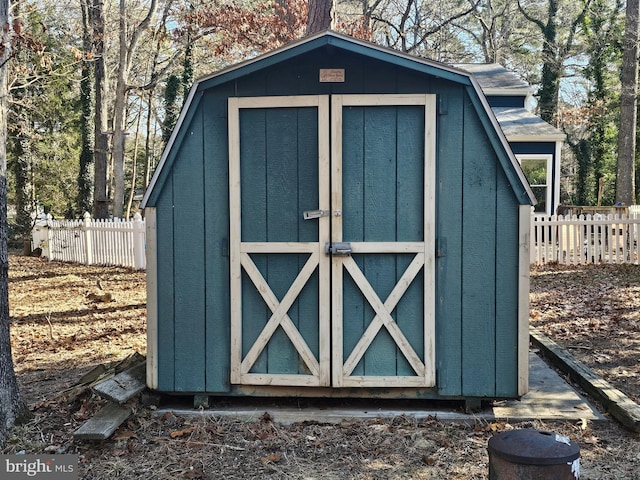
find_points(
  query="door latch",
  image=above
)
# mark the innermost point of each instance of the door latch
(338, 248)
(311, 214)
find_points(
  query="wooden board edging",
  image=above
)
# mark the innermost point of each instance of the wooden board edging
(124, 386)
(103, 424)
(621, 407)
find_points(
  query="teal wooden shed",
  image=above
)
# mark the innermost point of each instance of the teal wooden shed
(337, 219)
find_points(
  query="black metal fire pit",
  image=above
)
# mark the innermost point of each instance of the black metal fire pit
(533, 455)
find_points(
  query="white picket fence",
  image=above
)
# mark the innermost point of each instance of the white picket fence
(92, 242)
(569, 240)
(584, 239)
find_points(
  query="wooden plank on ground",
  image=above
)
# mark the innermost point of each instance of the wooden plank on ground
(124, 386)
(103, 423)
(94, 374)
(621, 407)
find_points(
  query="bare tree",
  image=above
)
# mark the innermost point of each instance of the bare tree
(101, 150)
(11, 405)
(500, 31)
(625, 179)
(125, 59)
(420, 27)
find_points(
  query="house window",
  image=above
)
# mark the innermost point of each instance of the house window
(537, 169)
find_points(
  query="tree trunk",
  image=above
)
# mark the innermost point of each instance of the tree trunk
(134, 164)
(84, 200)
(551, 71)
(319, 17)
(21, 168)
(149, 143)
(148, 151)
(127, 50)
(171, 109)
(625, 178)
(119, 113)
(19, 133)
(101, 152)
(554, 53)
(11, 406)
(580, 149)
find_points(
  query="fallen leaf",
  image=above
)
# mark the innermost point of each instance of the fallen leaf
(444, 442)
(496, 427)
(182, 433)
(272, 458)
(428, 460)
(592, 440)
(125, 435)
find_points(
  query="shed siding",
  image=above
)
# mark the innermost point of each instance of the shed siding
(299, 76)
(449, 240)
(189, 288)
(216, 228)
(507, 282)
(477, 216)
(166, 314)
(478, 262)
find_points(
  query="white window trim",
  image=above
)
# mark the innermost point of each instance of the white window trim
(549, 159)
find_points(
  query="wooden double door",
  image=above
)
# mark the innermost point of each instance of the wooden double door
(332, 207)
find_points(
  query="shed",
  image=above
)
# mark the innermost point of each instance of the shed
(337, 219)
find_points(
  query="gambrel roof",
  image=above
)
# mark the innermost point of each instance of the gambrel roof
(339, 42)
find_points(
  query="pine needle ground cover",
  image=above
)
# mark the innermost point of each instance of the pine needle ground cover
(67, 319)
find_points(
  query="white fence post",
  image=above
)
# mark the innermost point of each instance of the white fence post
(88, 250)
(49, 237)
(139, 233)
(40, 236)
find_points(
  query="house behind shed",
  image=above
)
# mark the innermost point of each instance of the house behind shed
(536, 144)
(338, 219)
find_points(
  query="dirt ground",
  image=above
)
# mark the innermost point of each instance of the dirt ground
(593, 312)
(67, 319)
